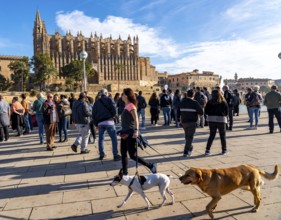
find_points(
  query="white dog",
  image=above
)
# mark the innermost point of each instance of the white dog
(145, 182)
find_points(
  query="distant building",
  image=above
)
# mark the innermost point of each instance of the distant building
(244, 83)
(183, 81)
(278, 83)
(4, 63)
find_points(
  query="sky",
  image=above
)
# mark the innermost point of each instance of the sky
(222, 36)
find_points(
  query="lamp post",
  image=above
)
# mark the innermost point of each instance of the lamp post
(83, 55)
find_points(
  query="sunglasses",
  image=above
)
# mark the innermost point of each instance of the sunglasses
(49, 96)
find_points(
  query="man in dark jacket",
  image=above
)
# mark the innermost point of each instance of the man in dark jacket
(141, 109)
(189, 111)
(165, 104)
(229, 99)
(81, 117)
(272, 101)
(104, 111)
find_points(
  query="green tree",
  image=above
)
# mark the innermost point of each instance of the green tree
(43, 69)
(21, 72)
(4, 83)
(73, 72)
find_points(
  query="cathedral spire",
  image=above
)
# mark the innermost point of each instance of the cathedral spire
(38, 18)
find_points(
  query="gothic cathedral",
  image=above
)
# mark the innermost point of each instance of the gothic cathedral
(116, 61)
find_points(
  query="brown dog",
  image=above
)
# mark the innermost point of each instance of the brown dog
(219, 182)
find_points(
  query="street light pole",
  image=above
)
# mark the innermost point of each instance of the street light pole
(83, 55)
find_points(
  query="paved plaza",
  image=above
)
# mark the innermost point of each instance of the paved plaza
(38, 184)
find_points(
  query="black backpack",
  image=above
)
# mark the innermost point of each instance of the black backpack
(199, 97)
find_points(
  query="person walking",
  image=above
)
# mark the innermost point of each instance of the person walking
(17, 116)
(154, 108)
(217, 112)
(254, 102)
(50, 115)
(37, 108)
(229, 100)
(189, 111)
(165, 104)
(91, 124)
(116, 99)
(176, 103)
(246, 97)
(202, 100)
(272, 101)
(120, 107)
(71, 100)
(129, 132)
(172, 115)
(63, 108)
(104, 111)
(208, 96)
(4, 120)
(141, 109)
(236, 102)
(25, 105)
(81, 118)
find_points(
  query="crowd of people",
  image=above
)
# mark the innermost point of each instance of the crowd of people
(193, 109)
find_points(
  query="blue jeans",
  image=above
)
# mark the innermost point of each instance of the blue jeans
(167, 114)
(40, 123)
(26, 122)
(176, 116)
(111, 130)
(142, 113)
(63, 127)
(254, 110)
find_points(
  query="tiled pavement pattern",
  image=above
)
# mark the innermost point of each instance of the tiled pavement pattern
(37, 184)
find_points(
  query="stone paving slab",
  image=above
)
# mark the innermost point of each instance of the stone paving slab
(62, 211)
(16, 214)
(36, 184)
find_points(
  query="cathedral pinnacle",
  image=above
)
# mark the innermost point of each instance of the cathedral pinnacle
(38, 18)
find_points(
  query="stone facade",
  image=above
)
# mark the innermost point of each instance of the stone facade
(116, 61)
(192, 79)
(244, 83)
(4, 63)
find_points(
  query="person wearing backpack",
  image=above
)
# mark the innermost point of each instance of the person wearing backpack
(254, 102)
(229, 99)
(141, 109)
(202, 100)
(104, 111)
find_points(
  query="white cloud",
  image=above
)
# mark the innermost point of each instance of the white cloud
(227, 57)
(151, 43)
(252, 54)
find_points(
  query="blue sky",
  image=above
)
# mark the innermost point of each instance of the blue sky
(223, 36)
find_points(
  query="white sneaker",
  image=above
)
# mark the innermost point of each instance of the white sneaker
(156, 125)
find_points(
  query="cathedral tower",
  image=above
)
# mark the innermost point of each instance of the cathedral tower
(40, 35)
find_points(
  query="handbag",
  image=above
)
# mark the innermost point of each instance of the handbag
(66, 111)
